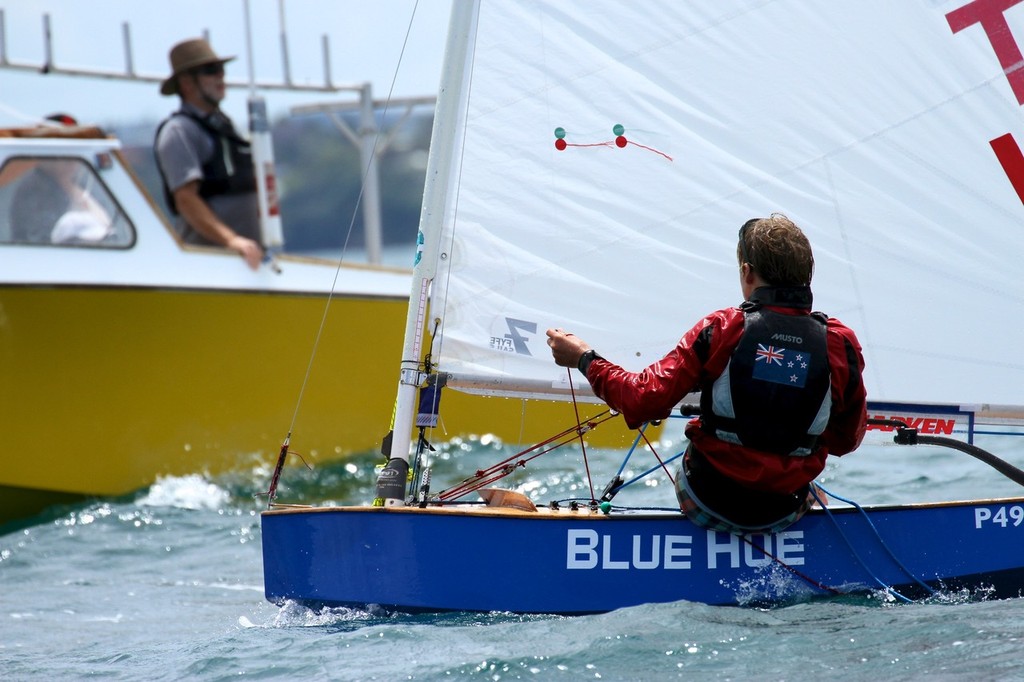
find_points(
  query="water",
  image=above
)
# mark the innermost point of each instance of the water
(167, 585)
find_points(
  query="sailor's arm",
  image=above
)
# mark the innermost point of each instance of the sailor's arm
(203, 220)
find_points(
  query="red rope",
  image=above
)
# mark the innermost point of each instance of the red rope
(484, 477)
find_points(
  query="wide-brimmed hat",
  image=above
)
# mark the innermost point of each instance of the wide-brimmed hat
(187, 55)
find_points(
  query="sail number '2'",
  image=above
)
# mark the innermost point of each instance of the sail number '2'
(587, 549)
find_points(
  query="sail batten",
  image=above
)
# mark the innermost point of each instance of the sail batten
(505, 387)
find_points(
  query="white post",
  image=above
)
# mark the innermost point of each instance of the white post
(368, 150)
(263, 158)
(285, 62)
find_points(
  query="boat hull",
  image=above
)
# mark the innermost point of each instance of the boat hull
(411, 559)
(107, 388)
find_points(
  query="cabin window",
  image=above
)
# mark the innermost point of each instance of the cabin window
(59, 201)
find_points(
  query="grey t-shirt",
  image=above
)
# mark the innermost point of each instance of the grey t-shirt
(182, 147)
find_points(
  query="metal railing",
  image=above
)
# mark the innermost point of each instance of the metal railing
(364, 138)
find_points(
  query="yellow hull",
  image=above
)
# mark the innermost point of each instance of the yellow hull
(104, 389)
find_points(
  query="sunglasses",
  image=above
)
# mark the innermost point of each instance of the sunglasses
(210, 70)
(744, 254)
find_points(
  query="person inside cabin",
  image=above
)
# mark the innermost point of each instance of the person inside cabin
(54, 203)
(780, 389)
(205, 165)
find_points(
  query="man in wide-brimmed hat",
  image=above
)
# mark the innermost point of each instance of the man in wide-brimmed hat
(206, 166)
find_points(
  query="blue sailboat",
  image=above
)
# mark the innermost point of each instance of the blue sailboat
(589, 164)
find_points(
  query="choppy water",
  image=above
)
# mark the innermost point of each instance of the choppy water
(167, 585)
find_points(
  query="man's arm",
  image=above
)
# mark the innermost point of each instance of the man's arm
(848, 421)
(197, 213)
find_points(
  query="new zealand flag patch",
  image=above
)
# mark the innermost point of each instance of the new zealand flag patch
(781, 366)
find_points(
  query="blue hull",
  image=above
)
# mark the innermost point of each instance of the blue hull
(411, 559)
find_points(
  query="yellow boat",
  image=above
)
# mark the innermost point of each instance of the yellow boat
(136, 356)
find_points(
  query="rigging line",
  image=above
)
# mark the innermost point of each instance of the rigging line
(276, 476)
(641, 433)
(878, 535)
(522, 420)
(644, 474)
(632, 449)
(474, 482)
(272, 491)
(351, 227)
(583, 443)
(507, 466)
(493, 473)
(655, 453)
(565, 434)
(421, 462)
(624, 507)
(856, 555)
(791, 569)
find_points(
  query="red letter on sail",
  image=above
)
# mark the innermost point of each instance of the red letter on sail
(1012, 160)
(989, 13)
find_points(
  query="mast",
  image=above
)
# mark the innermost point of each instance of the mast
(442, 167)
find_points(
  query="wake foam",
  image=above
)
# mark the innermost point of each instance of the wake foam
(185, 492)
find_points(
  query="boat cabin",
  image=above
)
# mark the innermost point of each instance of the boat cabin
(54, 194)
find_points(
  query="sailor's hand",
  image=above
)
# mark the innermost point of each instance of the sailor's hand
(566, 349)
(247, 249)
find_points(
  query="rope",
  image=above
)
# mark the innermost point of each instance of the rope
(632, 449)
(337, 272)
(505, 467)
(642, 434)
(655, 453)
(874, 529)
(583, 443)
(780, 562)
(651, 470)
(879, 581)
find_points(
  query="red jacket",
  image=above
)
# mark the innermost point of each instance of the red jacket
(652, 393)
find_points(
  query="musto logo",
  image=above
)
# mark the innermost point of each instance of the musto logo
(516, 339)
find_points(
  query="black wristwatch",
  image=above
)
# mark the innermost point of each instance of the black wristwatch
(584, 364)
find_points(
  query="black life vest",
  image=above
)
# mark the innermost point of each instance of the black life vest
(775, 392)
(229, 170)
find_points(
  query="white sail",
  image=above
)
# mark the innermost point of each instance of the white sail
(868, 122)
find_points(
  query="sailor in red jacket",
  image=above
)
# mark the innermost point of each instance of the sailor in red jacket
(780, 389)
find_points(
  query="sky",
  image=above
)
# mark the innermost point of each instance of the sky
(366, 45)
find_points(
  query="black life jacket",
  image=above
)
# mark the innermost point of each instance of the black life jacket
(229, 170)
(775, 392)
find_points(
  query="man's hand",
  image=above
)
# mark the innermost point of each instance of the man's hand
(202, 219)
(247, 249)
(566, 349)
